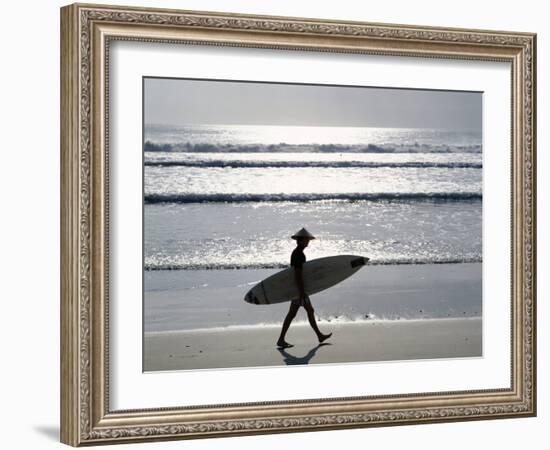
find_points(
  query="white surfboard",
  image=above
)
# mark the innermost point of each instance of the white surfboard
(319, 274)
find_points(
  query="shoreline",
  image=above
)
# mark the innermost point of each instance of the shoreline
(298, 323)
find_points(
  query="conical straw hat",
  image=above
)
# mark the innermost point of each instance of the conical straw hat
(303, 233)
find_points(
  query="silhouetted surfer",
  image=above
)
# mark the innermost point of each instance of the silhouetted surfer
(297, 260)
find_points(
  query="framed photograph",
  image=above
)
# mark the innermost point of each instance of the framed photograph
(275, 224)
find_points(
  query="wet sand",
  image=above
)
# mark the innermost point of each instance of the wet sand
(363, 341)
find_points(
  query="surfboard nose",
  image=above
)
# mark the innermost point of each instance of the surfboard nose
(251, 298)
(360, 261)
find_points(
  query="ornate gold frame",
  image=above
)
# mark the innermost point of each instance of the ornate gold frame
(86, 31)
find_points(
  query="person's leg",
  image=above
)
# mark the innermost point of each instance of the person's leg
(311, 317)
(288, 319)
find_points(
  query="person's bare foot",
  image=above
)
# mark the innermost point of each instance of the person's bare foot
(283, 344)
(324, 337)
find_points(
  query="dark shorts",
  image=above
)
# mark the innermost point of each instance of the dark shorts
(302, 302)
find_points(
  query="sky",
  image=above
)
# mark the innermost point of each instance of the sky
(191, 102)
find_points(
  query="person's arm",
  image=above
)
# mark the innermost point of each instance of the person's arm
(299, 276)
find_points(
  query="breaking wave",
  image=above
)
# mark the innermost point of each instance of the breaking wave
(316, 164)
(309, 148)
(150, 266)
(380, 196)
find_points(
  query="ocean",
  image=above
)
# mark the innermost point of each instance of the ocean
(221, 202)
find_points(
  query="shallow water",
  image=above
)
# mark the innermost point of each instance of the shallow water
(247, 235)
(184, 299)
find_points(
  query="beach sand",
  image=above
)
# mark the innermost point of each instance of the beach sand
(253, 346)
